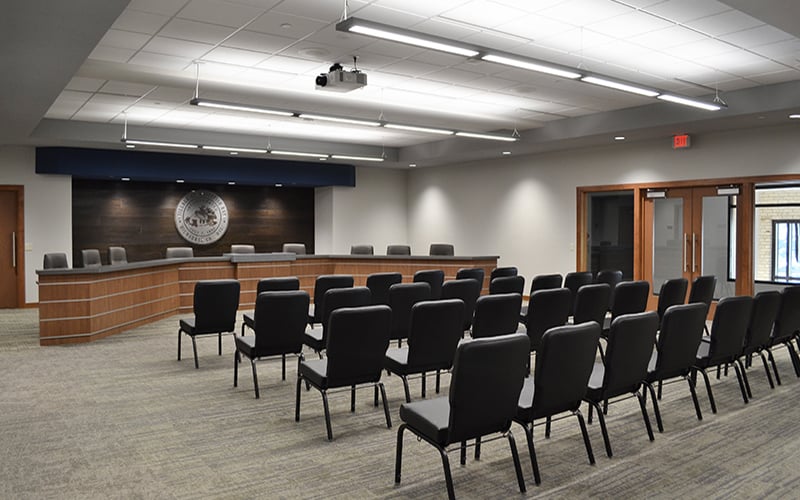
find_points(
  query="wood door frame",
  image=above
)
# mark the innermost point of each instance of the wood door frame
(20, 240)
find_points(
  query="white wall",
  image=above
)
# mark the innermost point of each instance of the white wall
(524, 208)
(374, 212)
(48, 211)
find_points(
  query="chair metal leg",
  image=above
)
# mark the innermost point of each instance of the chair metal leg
(766, 369)
(660, 383)
(463, 453)
(528, 428)
(547, 428)
(585, 435)
(693, 390)
(352, 398)
(603, 428)
(515, 457)
(398, 459)
(645, 416)
(385, 406)
(255, 377)
(591, 411)
(219, 341)
(423, 384)
(194, 349)
(793, 356)
(774, 366)
(741, 382)
(327, 414)
(478, 448)
(375, 396)
(744, 377)
(283, 367)
(438, 376)
(448, 478)
(297, 399)
(179, 344)
(404, 378)
(708, 390)
(236, 357)
(656, 410)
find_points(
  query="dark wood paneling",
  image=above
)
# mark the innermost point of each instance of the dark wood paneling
(140, 217)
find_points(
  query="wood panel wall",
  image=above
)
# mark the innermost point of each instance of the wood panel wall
(140, 217)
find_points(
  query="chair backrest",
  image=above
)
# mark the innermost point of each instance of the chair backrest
(442, 249)
(765, 310)
(337, 298)
(243, 249)
(117, 255)
(398, 250)
(402, 298)
(611, 277)
(507, 284)
(476, 273)
(573, 281)
(672, 293)
(546, 309)
(729, 327)
(278, 285)
(630, 297)
(434, 332)
(496, 315)
(703, 290)
(362, 250)
(434, 278)
(324, 283)
(630, 345)
(180, 252)
(467, 290)
(591, 303)
(499, 272)
(56, 260)
(681, 333)
(357, 343)
(564, 363)
(91, 258)
(295, 248)
(546, 282)
(215, 305)
(484, 389)
(280, 318)
(787, 323)
(379, 284)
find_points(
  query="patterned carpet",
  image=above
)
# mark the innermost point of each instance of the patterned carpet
(121, 418)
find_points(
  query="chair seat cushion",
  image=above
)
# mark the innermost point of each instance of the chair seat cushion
(249, 321)
(312, 337)
(187, 325)
(429, 418)
(525, 404)
(595, 390)
(396, 360)
(316, 372)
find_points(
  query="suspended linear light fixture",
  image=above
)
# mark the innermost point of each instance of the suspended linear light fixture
(625, 87)
(408, 37)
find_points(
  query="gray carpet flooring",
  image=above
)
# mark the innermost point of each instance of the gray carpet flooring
(121, 418)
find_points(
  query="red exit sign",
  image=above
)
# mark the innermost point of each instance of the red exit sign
(681, 141)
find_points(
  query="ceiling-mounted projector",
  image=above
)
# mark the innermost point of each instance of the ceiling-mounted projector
(337, 79)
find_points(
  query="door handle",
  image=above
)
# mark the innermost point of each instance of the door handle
(694, 253)
(14, 249)
(685, 244)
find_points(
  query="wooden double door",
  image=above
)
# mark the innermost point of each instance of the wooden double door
(12, 269)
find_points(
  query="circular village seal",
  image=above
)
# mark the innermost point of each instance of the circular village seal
(201, 217)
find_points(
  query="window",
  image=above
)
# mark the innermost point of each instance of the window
(786, 250)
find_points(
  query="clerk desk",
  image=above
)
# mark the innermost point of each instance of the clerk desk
(82, 305)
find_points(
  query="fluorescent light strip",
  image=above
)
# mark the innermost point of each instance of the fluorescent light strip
(795, 116)
(161, 144)
(474, 135)
(238, 107)
(619, 86)
(236, 150)
(412, 40)
(689, 102)
(412, 128)
(356, 158)
(336, 119)
(541, 68)
(298, 153)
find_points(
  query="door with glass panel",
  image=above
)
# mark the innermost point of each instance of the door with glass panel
(689, 232)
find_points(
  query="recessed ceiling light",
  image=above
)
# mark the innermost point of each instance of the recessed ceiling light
(231, 183)
(286, 26)
(234, 153)
(179, 181)
(279, 185)
(506, 153)
(130, 146)
(619, 138)
(795, 116)
(412, 165)
(126, 179)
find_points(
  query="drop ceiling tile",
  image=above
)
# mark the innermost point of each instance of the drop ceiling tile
(687, 10)
(289, 65)
(278, 24)
(453, 76)
(483, 13)
(761, 35)
(126, 88)
(219, 12)
(111, 54)
(398, 18)
(79, 83)
(499, 41)
(169, 96)
(629, 25)
(533, 27)
(395, 50)
(784, 75)
(264, 77)
(237, 57)
(324, 53)
(702, 48)
(139, 114)
(410, 68)
(424, 8)
(445, 28)
(732, 60)
(616, 51)
(575, 40)
(440, 59)
(163, 7)
(727, 22)
(161, 61)
(788, 49)
(195, 32)
(251, 40)
(329, 37)
(667, 38)
(124, 39)
(67, 103)
(178, 48)
(326, 12)
(140, 22)
(528, 5)
(490, 83)
(370, 62)
(584, 12)
(261, 4)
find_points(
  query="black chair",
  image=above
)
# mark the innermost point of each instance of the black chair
(484, 390)
(681, 331)
(724, 347)
(441, 249)
(500, 272)
(507, 284)
(402, 298)
(467, 290)
(496, 315)
(271, 285)
(215, 304)
(335, 298)
(356, 344)
(546, 309)
(787, 324)
(672, 293)
(91, 258)
(322, 284)
(563, 365)
(546, 282)
(630, 344)
(573, 281)
(117, 255)
(433, 335)
(591, 303)
(629, 297)
(611, 277)
(398, 250)
(757, 339)
(179, 252)
(243, 249)
(434, 278)
(362, 250)
(703, 291)
(476, 273)
(56, 260)
(295, 248)
(280, 320)
(379, 284)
